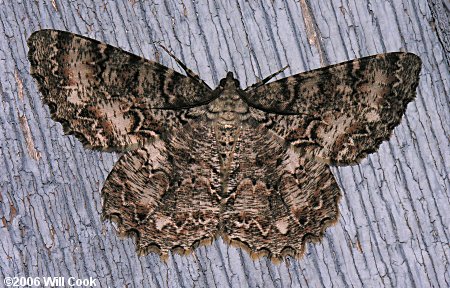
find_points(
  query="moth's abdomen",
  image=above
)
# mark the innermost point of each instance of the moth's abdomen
(226, 154)
(227, 148)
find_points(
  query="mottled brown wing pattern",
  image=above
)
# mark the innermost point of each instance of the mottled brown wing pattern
(282, 200)
(249, 165)
(108, 98)
(171, 195)
(165, 192)
(340, 113)
(148, 197)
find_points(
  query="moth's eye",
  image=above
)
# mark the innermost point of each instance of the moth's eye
(236, 82)
(222, 82)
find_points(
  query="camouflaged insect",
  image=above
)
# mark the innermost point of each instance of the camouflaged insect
(250, 165)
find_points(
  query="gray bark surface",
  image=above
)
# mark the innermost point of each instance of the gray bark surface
(393, 229)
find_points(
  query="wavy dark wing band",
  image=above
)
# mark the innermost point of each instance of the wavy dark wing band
(108, 98)
(340, 113)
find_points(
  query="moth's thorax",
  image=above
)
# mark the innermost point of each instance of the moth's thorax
(228, 108)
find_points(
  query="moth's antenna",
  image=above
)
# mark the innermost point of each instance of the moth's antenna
(188, 71)
(267, 79)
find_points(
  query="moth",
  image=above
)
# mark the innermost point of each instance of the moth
(250, 165)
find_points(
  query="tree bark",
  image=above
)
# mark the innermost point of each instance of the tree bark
(393, 229)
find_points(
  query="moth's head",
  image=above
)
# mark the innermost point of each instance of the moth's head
(229, 82)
